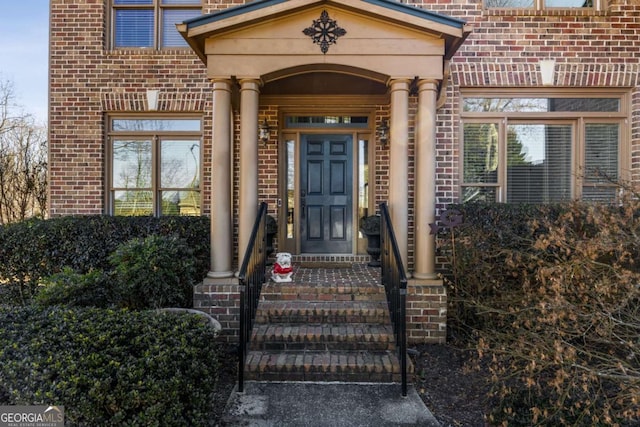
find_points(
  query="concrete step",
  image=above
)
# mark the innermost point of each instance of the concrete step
(317, 337)
(347, 366)
(327, 312)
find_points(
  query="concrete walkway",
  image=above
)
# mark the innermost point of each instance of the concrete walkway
(306, 404)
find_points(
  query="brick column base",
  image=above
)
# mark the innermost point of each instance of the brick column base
(426, 311)
(220, 297)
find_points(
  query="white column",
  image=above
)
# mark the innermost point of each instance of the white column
(399, 163)
(425, 185)
(248, 202)
(221, 186)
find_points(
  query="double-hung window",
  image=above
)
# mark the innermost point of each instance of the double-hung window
(154, 167)
(150, 23)
(532, 149)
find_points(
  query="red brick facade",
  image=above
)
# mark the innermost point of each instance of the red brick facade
(89, 80)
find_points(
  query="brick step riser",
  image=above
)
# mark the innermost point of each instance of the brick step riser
(321, 346)
(353, 377)
(321, 297)
(325, 318)
(324, 366)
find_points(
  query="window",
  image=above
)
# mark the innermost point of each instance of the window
(543, 4)
(151, 23)
(541, 150)
(154, 166)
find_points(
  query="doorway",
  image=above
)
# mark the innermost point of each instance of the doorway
(326, 193)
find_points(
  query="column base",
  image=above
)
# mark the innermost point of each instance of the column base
(425, 276)
(219, 274)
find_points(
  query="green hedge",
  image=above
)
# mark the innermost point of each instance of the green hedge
(33, 249)
(109, 367)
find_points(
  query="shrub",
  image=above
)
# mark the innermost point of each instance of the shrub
(109, 367)
(92, 289)
(554, 302)
(33, 249)
(154, 272)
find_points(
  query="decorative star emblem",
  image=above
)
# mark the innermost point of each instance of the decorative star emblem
(324, 31)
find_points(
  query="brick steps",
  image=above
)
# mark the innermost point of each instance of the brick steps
(300, 311)
(321, 328)
(302, 365)
(346, 336)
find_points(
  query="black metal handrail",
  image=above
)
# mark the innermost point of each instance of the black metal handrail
(394, 280)
(251, 277)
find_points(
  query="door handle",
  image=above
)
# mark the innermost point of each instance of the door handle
(303, 204)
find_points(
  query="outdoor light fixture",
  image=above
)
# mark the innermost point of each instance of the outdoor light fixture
(264, 132)
(383, 133)
(547, 71)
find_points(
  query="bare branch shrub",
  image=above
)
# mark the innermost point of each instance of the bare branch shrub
(555, 310)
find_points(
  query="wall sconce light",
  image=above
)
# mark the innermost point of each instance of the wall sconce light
(382, 132)
(548, 71)
(264, 132)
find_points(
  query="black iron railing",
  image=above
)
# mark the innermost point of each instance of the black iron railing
(251, 277)
(394, 280)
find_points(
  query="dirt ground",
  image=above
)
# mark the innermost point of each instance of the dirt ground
(453, 394)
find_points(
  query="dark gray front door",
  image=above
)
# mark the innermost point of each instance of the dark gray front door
(326, 175)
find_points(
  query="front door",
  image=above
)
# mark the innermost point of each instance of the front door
(326, 205)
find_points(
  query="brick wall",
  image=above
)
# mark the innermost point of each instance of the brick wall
(88, 81)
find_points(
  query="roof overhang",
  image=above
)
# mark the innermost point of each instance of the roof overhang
(383, 36)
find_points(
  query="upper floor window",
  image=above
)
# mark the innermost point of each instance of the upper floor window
(151, 23)
(542, 4)
(543, 149)
(154, 166)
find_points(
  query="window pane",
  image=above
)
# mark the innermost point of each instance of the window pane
(118, 2)
(599, 194)
(508, 3)
(133, 203)
(568, 3)
(131, 164)
(170, 17)
(291, 187)
(480, 153)
(327, 121)
(479, 194)
(601, 153)
(538, 163)
(141, 125)
(182, 2)
(134, 28)
(540, 105)
(180, 203)
(180, 164)
(363, 178)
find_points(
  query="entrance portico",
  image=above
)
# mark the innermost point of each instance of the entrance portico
(267, 44)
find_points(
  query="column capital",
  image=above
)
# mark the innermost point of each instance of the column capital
(221, 84)
(428, 84)
(399, 83)
(250, 84)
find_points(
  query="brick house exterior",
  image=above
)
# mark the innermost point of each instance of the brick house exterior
(438, 73)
